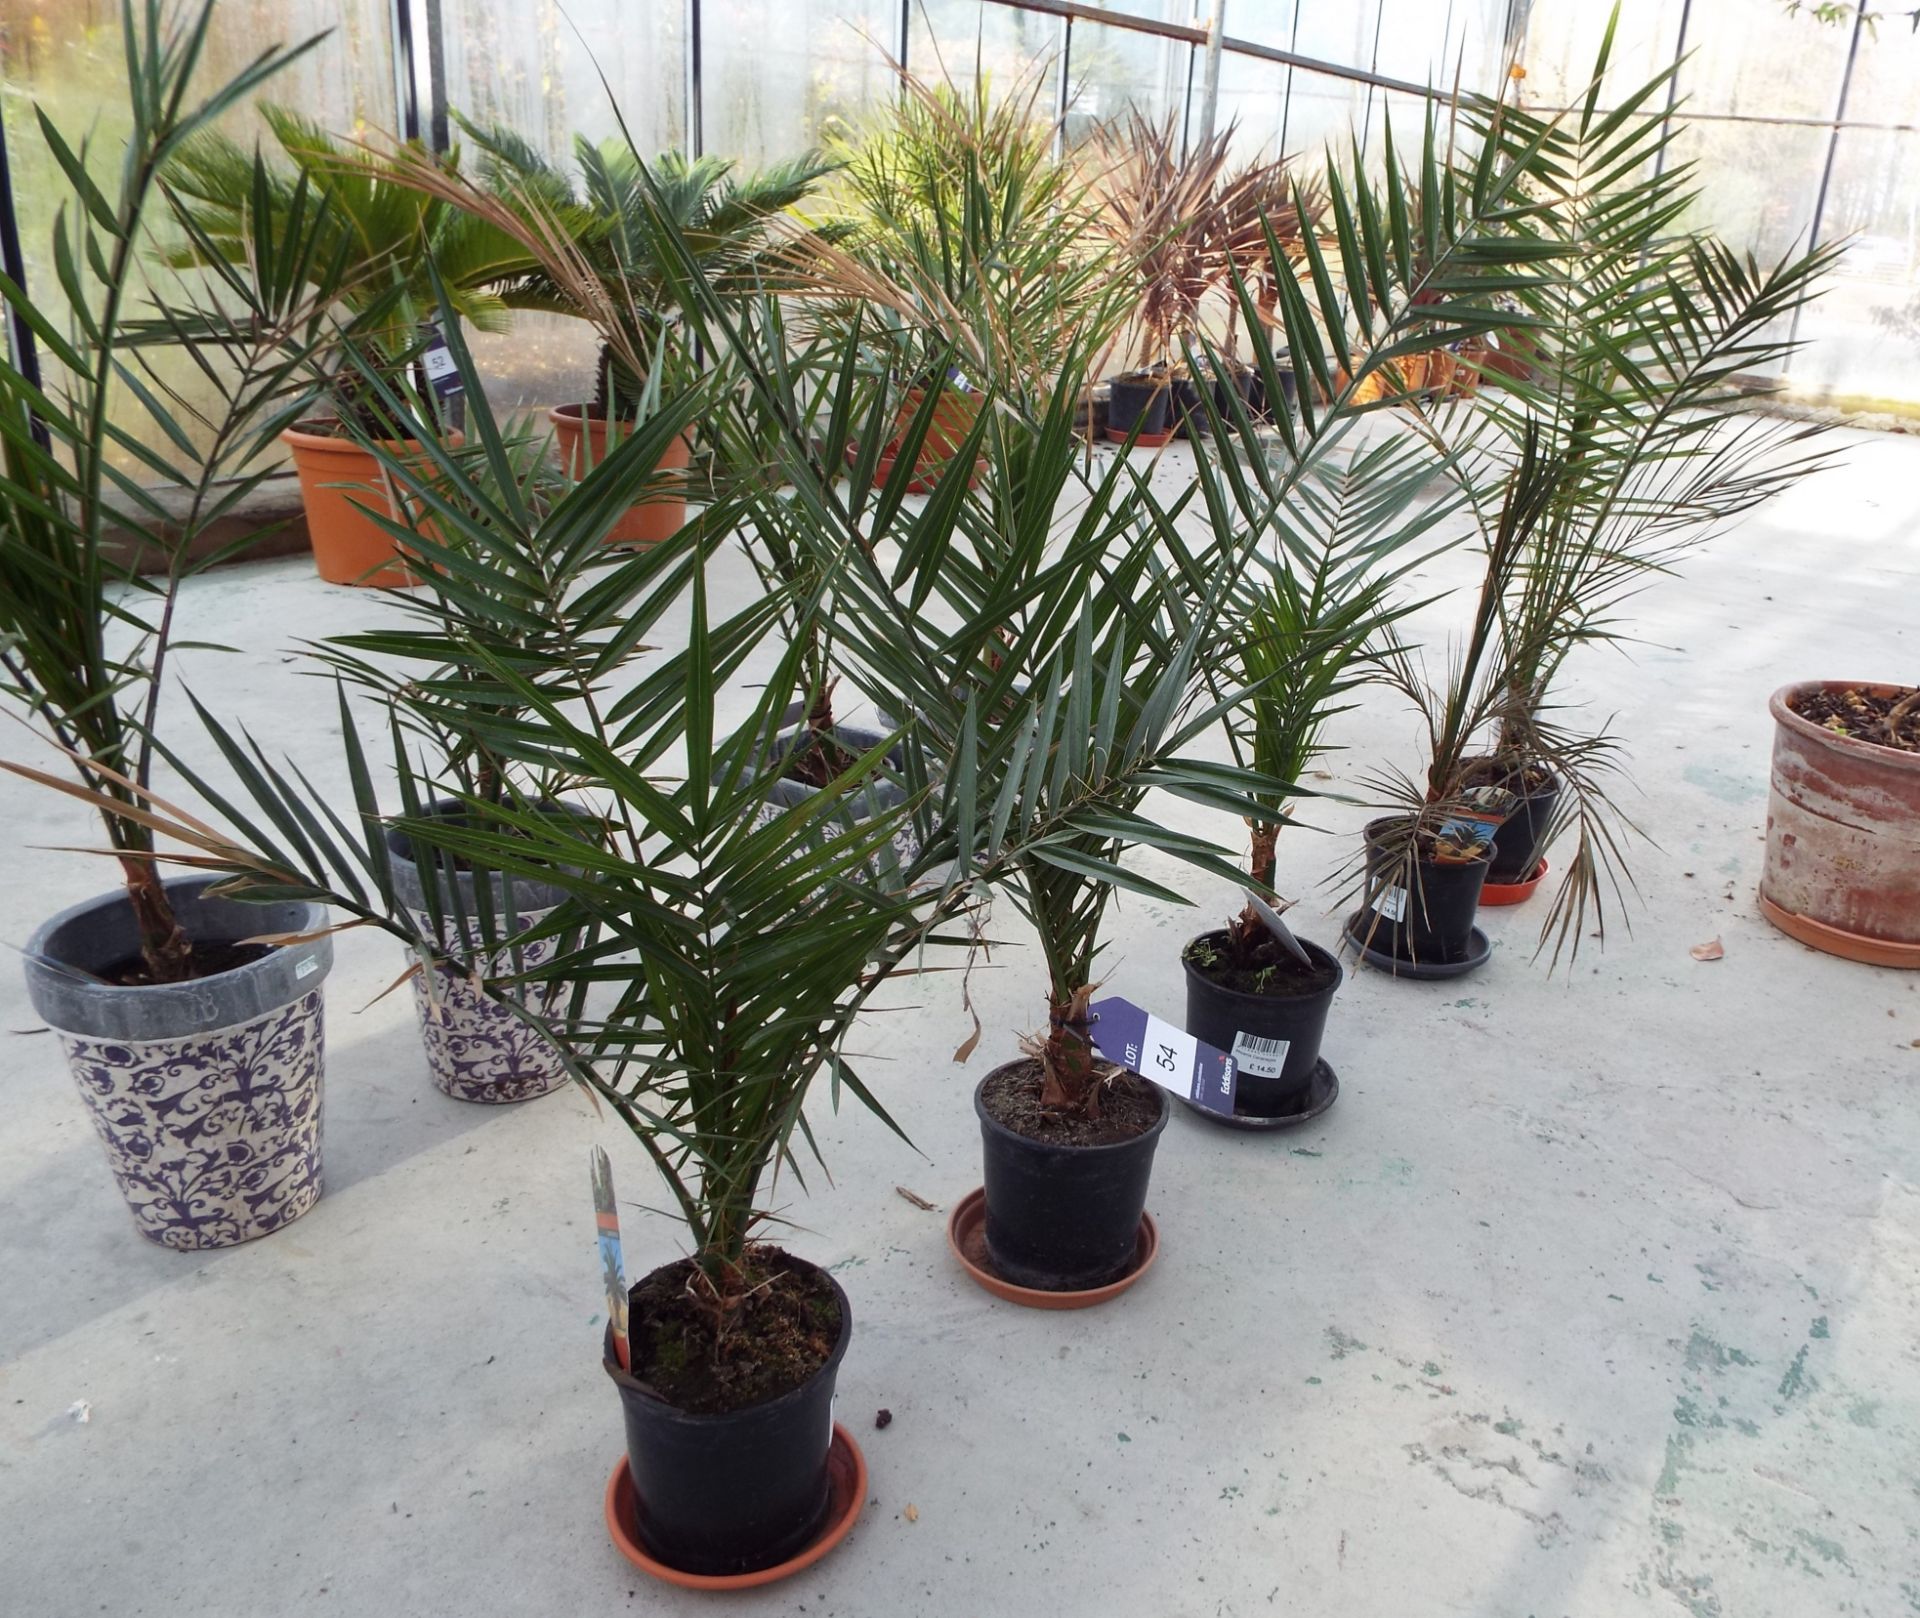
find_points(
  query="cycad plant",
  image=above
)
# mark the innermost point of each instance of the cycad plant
(369, 251)
(601, 260)
(87, 642)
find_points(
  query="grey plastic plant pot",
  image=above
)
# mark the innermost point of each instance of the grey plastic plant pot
(477, 1049)
(207, 1094)
(877, 797)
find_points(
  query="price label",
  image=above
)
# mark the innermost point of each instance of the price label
(1392, 904)
(1263, 1058)
(1163, 1054)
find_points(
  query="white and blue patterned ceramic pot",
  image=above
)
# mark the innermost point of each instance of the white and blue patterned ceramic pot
(878, 796)
(477, 1048)
(206, 1094)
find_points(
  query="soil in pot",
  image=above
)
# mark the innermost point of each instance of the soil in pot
(1886, 717)
(1129, 1106)
(1142, 397)
(580, 434)
(1064, 1193)
(210, 958)
(784, 1331)
(1432, 921)
(1259, 1003)
(727, 1442)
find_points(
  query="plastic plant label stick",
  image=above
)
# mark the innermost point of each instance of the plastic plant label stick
(1167, 1056)
(1277, 927)
(607, 1221)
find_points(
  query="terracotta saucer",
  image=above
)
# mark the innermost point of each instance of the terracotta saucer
(847, 1482)
(1833, 940)
(967, 1236)
(1513, 893)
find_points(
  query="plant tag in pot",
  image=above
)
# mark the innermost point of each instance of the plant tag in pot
(437, 361)
(1167, 1056)
(1392, 904)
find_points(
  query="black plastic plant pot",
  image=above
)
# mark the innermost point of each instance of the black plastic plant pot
(1428, 923)
(1191, 414)
(1238, 380)
(1063, 1218)
(1141, 398)
(1261, 406)
(1273, 1038)
(1522, 836)
(738, 1491)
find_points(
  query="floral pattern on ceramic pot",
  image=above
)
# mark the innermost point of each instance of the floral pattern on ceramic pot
(477, 1049)
(214, 1137)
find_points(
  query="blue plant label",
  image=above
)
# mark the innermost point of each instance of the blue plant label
(1167, 1056)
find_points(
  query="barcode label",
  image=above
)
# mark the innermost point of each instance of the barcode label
(306, 968)
(1263, 1058)
(1392, 904)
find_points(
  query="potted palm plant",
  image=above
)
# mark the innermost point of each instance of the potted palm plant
(191, 1022)
(1300, 630)
(1176, 223)
(709, 958)
(952, 200)
(1636, 333)
(373, 239)
(495, 530)
(739, 226)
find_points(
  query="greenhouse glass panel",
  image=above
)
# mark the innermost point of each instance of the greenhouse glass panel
(1863, 337)
(536, 66)
(1430, 44)
(776, 80)
(1563, 41)
(952, 37)
(70, 61)
(1760, 60)
(1112, 69)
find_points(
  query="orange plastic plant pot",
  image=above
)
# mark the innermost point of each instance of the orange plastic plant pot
(582, 442)
(337, 479)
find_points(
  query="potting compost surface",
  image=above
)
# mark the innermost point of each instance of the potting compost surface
(1887, 719)
(1597, 1295)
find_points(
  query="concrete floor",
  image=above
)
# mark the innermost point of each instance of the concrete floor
(1596, 1294)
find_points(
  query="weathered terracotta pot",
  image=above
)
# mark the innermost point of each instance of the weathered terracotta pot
(1843, 838)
